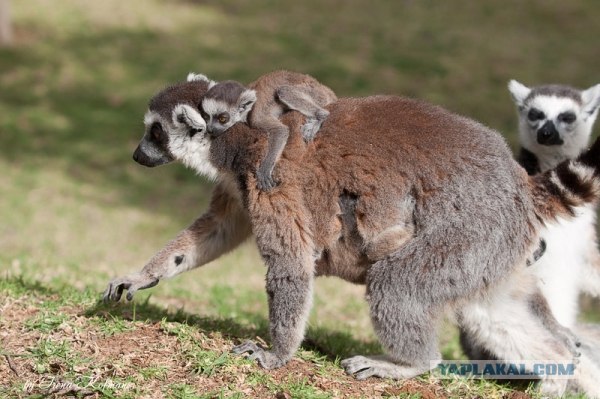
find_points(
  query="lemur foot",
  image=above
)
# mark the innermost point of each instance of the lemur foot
(131, 283)
(362, 367)
(310, 128)
(266, 359)
(264, 180)
(572, 341)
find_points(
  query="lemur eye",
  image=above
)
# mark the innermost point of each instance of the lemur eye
(567, 117)
(156, 131)
(180, 118)
(535, 115)
(223, 118)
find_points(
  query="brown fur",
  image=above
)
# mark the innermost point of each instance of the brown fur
(441, 212)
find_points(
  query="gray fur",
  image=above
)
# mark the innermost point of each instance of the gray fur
(470, 216)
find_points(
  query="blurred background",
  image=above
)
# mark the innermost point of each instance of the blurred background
(76, 76)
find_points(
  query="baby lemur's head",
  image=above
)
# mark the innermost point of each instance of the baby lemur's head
(555, 119)
(225, 104)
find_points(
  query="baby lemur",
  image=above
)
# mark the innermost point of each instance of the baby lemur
(261, 104)
(470, 214)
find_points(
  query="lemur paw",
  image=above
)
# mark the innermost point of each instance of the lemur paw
(572, 342)
(131, 283)
(310, 128)
(265, 181)
(267, 359)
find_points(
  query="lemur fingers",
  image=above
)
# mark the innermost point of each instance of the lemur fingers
(265, 358)
(132, 283)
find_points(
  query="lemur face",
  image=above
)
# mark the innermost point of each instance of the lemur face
(551, 119)
(555, 115)
(175, 130)
(225, 104)
(219, 115)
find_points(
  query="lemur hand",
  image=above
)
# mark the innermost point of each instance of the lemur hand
(132, 283)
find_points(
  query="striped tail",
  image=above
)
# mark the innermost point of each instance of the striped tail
(572, 184)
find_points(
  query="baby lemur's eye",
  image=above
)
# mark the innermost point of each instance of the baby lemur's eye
(535, 115)
(223, 118)
(180, 118)
(567, 117)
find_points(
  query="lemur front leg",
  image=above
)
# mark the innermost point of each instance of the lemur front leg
(290, 295)
(285, 243)
(222, 228)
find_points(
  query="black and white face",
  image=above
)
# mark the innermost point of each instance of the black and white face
(219, 115)
(555, 119)
(551, 120)
(181, 137)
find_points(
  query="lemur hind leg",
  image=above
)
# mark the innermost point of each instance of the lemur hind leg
(512, 322)
(299, 98)
(405, 322)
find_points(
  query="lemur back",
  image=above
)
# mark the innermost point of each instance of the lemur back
(262, 104)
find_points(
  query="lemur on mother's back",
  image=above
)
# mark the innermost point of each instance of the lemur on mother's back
(261, 104)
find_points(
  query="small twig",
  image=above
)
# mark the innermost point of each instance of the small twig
(11, 365)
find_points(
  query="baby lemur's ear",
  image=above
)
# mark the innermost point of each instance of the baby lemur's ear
(193, 77)
(519, 92)
(246, 101)
(591, 99)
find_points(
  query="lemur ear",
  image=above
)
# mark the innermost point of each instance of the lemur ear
(591, 99)
(246, 101)
(192, 77)
(519, 92)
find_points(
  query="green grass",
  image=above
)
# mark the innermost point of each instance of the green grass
(75, 211)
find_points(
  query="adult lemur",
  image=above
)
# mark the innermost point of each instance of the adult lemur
(463, 213)
(261, 104)
(555, 124)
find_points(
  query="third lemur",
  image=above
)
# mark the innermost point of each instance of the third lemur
(261, 104)
(555, 124)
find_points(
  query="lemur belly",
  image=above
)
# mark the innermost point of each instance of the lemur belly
(563, 264)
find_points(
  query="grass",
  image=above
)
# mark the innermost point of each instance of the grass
(75, 211)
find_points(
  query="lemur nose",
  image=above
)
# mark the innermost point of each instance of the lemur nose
(548, 135)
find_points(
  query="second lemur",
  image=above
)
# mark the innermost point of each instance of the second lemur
(261, 104)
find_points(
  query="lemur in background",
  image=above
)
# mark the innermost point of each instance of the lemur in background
(471, 216)
(555, 124)
(261, 104)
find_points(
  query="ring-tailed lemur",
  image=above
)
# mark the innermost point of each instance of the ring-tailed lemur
(261, 104)
(470, 213)
(555, 124)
